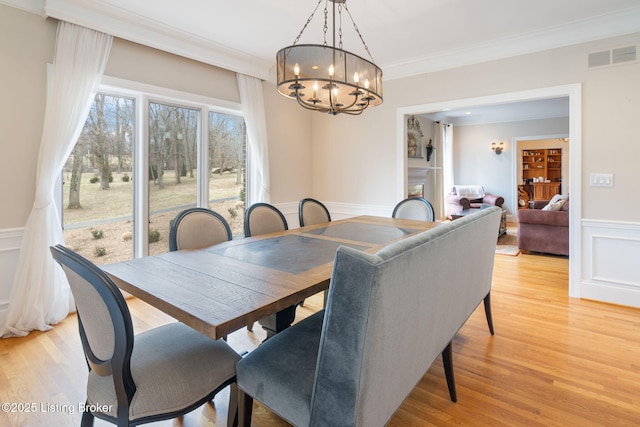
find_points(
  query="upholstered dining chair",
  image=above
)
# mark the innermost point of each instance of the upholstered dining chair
(171, 370)
(312, 211)
(263, 218)
(414, 208)
(198, 228)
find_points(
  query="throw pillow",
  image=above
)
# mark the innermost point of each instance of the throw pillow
(557, 197)
(469, 191)
(554, 206)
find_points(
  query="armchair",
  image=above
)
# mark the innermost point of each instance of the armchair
(463, 197)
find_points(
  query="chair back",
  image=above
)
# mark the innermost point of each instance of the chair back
(370, 357)
(414, 208)
(195, 228)
(106, 330)
(263, 218)
(312, 211)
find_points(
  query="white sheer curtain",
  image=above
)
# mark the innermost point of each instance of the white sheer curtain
(443, 134)
(40, 294)
(258, 187)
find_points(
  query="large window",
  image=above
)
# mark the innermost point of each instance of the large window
(120, 195)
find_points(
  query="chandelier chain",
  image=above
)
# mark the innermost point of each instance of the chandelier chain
(326, 27)
(358, 31)
(310, 19)
(340, 25)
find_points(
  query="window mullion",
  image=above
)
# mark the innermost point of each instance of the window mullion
(140, 181)
(203, 159)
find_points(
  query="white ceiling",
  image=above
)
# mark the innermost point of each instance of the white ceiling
(405, 38)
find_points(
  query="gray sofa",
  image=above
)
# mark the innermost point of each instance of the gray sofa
(355, 362)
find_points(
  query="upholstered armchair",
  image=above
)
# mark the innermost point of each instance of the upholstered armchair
(463, 197)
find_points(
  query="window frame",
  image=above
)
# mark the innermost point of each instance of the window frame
(143, 94)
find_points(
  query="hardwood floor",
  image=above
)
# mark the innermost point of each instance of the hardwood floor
(554, 361)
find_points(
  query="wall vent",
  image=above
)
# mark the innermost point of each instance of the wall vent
(624, 54)
(612, 57)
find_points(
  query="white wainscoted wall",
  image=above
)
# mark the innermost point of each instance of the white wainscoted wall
(611, 262)
(10, 241)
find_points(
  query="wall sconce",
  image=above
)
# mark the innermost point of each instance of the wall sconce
(497, 147)
(430, 149)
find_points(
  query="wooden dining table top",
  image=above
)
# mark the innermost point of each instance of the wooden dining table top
(222, 288)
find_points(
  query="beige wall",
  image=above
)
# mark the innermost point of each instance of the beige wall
(135, 62)
(364, 148)
(26, 46)
(351, 159)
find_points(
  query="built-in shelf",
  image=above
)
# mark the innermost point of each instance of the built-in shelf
(542, 165)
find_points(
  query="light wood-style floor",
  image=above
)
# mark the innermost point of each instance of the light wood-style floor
(554, 361)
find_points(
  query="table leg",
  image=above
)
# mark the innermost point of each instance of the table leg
(278, 322)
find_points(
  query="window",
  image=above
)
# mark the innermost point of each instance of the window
(194, 154)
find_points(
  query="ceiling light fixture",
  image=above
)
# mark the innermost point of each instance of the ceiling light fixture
(327, 78)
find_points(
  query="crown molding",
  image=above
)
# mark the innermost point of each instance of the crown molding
(106, 18)
(613, 24)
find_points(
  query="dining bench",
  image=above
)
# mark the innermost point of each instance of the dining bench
(388, 316)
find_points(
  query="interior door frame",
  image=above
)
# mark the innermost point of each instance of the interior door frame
(574, 92)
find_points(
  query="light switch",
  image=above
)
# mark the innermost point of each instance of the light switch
(601, 180)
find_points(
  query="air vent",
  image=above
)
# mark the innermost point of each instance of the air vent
(612, 57)
(624, 54)
(599, 59)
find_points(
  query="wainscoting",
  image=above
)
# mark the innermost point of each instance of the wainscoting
(610, 256)
(10, 241)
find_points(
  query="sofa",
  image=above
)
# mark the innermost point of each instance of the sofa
(544, 230)
(463, 197)
(354, 363)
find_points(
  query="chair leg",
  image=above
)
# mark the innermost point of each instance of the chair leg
(87, 419)
(245, 407)
(487, 312)
(447, 361)
(232, 416)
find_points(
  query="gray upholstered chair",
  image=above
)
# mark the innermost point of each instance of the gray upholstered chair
(263, 218)
(195, 228)
(414, 208)
(171, 370)
(312, 211)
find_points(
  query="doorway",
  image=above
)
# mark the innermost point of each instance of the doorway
(573, 92)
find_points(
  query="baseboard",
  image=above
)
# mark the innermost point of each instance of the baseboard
(609, 257)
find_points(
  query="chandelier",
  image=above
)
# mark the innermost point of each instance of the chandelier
(327, 78)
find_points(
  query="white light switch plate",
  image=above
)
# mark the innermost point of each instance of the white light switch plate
(601, 180)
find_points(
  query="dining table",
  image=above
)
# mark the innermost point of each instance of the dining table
(225, 287)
